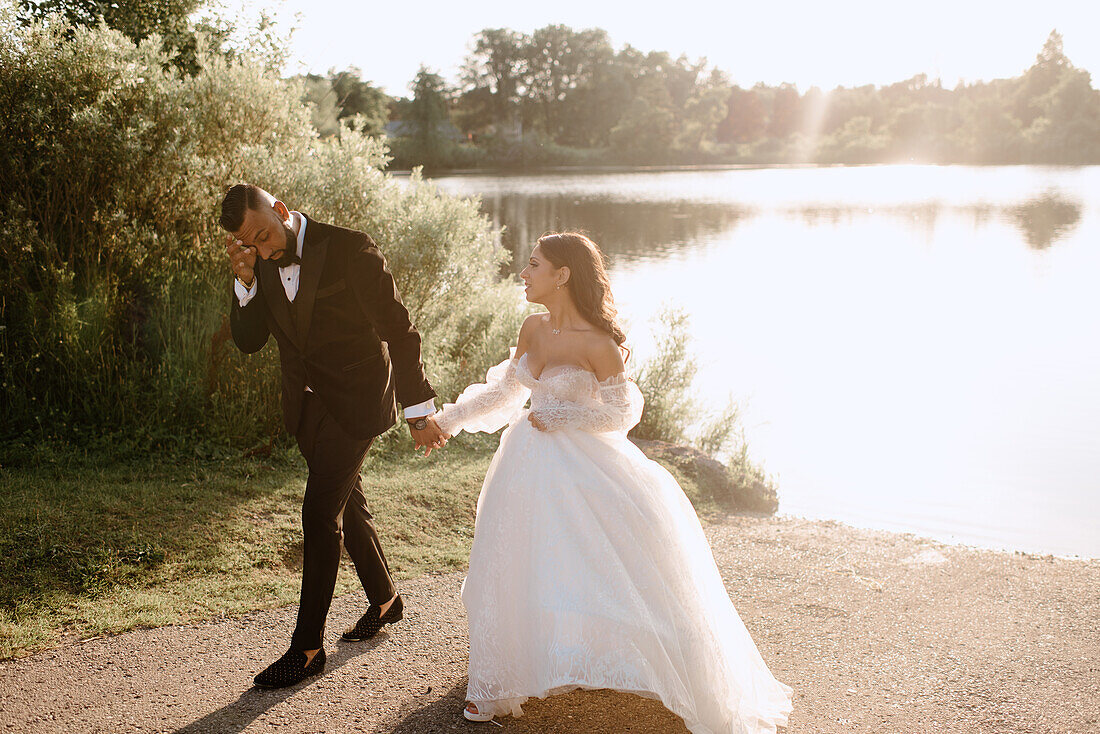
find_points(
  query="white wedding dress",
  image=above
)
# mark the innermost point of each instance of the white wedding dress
(589, 568)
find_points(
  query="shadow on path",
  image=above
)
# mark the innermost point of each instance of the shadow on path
(254, 702)
(444, 715)
(591, 712)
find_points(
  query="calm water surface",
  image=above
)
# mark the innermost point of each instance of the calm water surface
(915, 348)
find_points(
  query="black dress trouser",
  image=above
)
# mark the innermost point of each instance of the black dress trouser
(334, 507)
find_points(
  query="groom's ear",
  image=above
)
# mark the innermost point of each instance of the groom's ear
(281, 210)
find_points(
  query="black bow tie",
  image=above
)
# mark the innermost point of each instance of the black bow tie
(287, 259)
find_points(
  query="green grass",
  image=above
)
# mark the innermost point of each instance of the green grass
(92, 546)
(87, 549)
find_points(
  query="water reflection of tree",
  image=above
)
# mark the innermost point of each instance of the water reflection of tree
(653, 228)
(922, 216)
(629, 228)
(1046, 219)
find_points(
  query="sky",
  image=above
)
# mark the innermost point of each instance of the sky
(824, 44)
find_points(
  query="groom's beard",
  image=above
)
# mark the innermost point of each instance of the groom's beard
(290, 254)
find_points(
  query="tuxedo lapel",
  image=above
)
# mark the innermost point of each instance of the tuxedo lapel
(313, 262)
(275, 296)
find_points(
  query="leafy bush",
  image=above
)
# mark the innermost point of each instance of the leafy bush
(675, 415)
(114, 286)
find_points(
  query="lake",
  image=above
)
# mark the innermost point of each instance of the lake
(913, 348)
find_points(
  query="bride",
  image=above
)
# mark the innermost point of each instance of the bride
(589, 568)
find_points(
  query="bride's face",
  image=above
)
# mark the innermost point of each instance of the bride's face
(539, 277)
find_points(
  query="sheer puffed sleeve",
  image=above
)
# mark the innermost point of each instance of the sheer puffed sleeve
(615, 406)
(487, 406)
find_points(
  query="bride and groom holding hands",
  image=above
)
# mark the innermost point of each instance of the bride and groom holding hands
(589, 568)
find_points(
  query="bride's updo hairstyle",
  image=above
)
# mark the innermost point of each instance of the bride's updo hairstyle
(588, 283)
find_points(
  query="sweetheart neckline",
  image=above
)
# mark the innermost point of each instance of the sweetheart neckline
(542, 372)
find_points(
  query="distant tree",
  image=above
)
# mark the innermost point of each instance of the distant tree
(701, 114)
(785, 112)
(1050, 66)
(428, 115)
(475, 111)
(360, 99)
(848, 102)
(679, 76)
(342, 96)
(1068, 127)
(317, 92)
(492, 77)
(989, 132)
(592, 110)
(559, 61)
(746, 117)
(856, 142)
(1057, 108)
(572, 88)
(647, 127)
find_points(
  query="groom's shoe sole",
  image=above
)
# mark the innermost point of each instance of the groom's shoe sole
(368, 625)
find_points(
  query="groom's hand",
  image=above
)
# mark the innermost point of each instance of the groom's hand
(431, 437)
(242, 259)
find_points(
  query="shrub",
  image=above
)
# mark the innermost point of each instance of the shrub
(674, 414)
(114, 286)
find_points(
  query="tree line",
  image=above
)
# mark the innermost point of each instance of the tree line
(562, 96)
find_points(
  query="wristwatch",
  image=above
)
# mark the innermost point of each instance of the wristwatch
(420, 424)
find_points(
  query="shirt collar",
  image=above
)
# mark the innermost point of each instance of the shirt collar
(300, 218)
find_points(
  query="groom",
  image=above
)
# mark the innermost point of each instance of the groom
(348, 350)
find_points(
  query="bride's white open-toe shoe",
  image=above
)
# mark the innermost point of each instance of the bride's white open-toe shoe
(475, 715)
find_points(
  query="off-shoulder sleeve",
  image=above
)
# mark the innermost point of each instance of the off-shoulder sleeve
(487, 406)
(617, 406)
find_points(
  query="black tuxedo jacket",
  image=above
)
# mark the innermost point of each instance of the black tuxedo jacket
(346, 335)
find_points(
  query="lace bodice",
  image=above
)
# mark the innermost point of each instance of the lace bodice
(562, 397)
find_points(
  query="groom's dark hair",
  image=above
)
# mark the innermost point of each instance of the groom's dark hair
(238, 199)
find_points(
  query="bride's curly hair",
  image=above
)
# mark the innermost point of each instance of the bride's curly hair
(588, 283)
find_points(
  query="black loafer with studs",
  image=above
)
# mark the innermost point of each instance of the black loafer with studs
(369, 624)
(291, 668)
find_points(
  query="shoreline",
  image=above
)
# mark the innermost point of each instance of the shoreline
(875, 630)
(918, 535)
(404, 173)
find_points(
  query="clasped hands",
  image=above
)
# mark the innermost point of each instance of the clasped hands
(430, 437)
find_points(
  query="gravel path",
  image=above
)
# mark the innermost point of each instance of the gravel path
(876, 632)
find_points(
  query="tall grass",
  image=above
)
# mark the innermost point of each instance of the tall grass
(674, 413)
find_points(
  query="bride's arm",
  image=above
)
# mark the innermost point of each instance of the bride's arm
(488, 406)
(618, 408)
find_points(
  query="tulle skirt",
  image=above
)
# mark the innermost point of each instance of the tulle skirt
(590, 569)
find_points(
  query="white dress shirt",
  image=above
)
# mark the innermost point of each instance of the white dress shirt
(288, 276)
